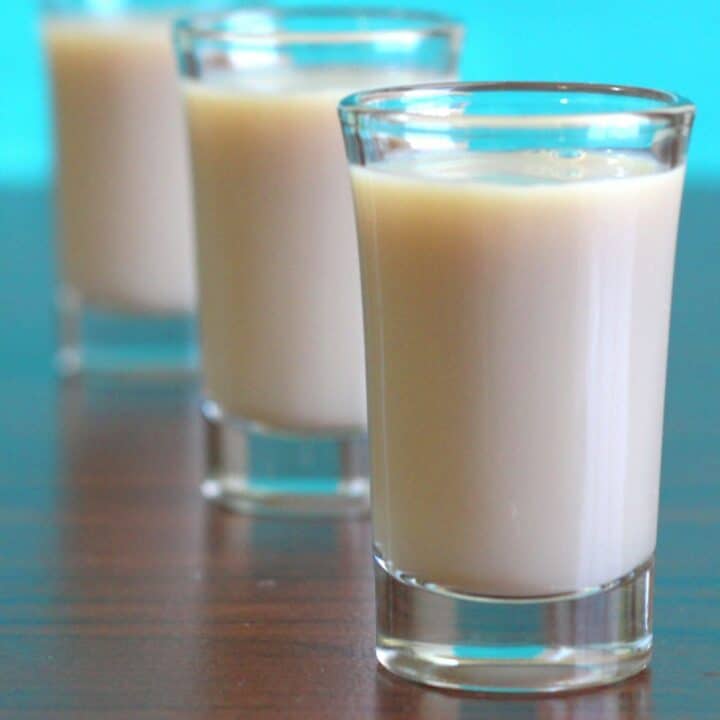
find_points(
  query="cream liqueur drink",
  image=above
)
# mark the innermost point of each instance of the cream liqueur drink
(517, 323)
(123, 180)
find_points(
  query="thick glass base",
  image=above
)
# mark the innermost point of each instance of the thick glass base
(96, 341)
(535, 645)
(258, 470)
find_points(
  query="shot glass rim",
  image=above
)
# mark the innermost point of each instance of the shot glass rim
(209, 26)
(673, 107)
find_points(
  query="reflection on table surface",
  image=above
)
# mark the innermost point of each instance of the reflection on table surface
(627, 700)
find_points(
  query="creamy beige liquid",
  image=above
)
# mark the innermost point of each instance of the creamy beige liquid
(124, 188)
(280, 305)
(516, 316)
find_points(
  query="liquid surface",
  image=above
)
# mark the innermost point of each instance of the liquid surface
(541, 167)
(516, 318)
(123, 180)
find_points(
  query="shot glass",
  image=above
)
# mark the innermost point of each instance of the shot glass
(517, 244)
(280, 303)
(127, 286)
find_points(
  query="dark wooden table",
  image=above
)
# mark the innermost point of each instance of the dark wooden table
(124, 595)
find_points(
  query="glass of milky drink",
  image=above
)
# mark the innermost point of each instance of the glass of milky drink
(127, 296)
(517, 243)
(279, 283)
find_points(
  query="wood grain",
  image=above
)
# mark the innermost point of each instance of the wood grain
(124, 595)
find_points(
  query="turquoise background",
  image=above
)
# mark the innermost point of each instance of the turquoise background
(665, 44)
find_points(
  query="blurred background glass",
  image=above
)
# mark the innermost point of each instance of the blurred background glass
(662, 44)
